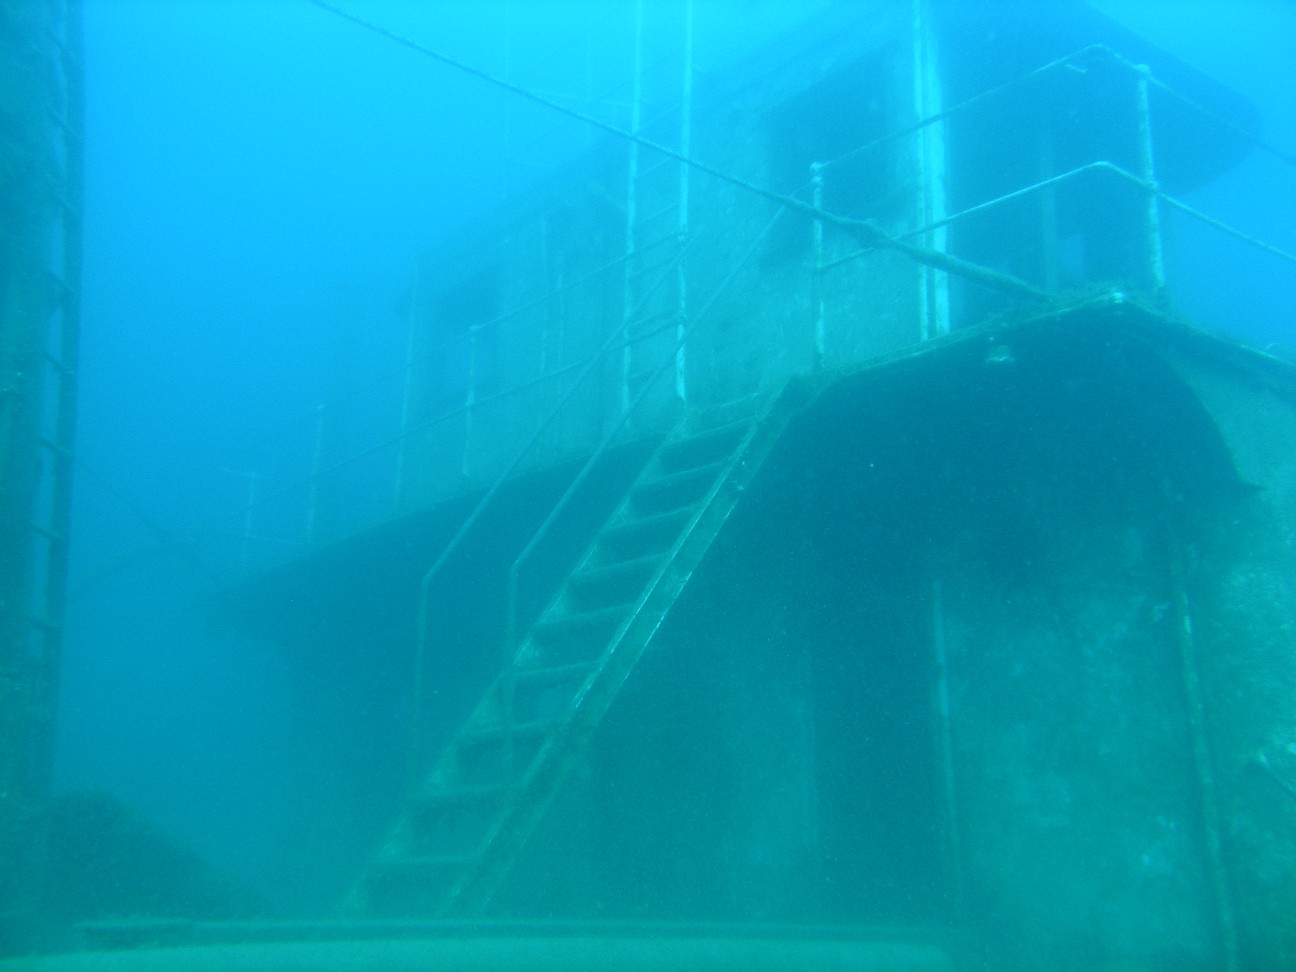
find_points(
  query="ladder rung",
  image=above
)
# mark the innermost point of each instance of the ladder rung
(649, 170)
(704, 448)
(568, 673)
(682, 490)
(636, 341)
(434, 795)
(48, 625)
(61, 122)
(671, 207)
(672, 108)
(566, 624)
(57, 364)
(648, 269)
(633, 536)
(64, 203)
(51, 535)
(618, 569)
(650, 321)
(475, 735)
(556, 673)
(679, 478)
(423, 862)
(619, 584)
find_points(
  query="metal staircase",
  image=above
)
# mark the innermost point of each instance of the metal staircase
(463, 829)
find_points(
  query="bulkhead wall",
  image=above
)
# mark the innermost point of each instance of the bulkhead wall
(988, 646)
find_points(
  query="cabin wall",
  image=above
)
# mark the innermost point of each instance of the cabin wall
(1244, 604)
(518, 331)
(556, 318)
(936, 672)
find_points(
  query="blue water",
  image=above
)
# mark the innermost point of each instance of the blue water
(261, 178)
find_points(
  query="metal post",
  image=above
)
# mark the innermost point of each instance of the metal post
(1207, 791)
(945, 755)
(933, 299)
(1151, 190)
(681, 277)
(470, 401)
(816, 279)
(407, 396)
(1048, 212)
(632, 178)
(249, 513)
(313, 489)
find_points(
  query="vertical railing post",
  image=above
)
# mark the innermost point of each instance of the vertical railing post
(1050, 270)
(249, 516)
(682, 223)
(313, 487)
(933, 296)
(631, 213)
(1203, 763)
(470, 401)
(951, 845)
(1147, 174)
(817, 271)
(407, 397)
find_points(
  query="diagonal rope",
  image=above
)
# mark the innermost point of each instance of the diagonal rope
(866, 232)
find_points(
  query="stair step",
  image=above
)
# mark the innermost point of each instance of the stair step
(421, 862)
(612, 584)
(484, 735)
(412, 884)
(569, 637)
(555, 674)
(546, 694)
(440, 797)
(654, 268)
(647, 325)
(450, 821)
(702, 448)
(675, 490)
(647, 170)
(670, 209)
(492, 756)
(460, 835)
(629, 538)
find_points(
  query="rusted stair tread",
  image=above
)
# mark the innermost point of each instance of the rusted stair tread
(554, 673)
(649, 548)
(470, 735)
(630, 536)
(445, 795)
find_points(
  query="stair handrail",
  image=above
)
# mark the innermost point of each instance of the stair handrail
(610, 343)
(511, 644)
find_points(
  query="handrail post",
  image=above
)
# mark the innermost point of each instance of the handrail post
(1207, 786)
(418, 727)
(407, 396)
(423, 634)
(245, 553)
(313, 488)
(682, 215)
(470, 400)
(928, 102)
(817, 271)
(541, 531)
(631, 209)
(1147, 173)
(951, 844)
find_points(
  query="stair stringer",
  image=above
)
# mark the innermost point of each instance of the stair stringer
(522, 804)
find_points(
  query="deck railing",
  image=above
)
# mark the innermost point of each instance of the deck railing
(1170, 241)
